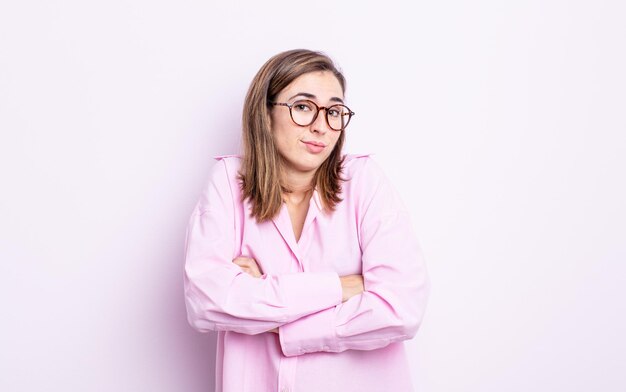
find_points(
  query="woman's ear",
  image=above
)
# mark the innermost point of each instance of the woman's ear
(269, 121)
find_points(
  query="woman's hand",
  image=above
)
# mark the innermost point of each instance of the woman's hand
(351, 285)
(249, 266)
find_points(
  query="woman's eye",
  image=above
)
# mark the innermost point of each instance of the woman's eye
(302, 106)
(333, 113)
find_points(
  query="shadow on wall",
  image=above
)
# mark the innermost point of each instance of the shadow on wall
(194, 352)
(200, 352)
(221, 135)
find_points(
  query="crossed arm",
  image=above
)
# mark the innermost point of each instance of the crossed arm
(351, 285)
(384, 304)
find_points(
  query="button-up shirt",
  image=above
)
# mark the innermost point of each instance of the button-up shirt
(323, 344)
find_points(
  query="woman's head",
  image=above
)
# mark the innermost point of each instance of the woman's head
(277, 135)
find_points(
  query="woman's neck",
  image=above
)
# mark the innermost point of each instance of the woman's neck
(300, 186)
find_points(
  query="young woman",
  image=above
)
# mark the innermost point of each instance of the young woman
(303, 258)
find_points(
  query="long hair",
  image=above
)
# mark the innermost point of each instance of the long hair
(259, 173)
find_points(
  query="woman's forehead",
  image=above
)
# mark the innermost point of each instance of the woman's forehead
(320, 84)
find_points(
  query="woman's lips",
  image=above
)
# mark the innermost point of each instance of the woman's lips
(314, 147)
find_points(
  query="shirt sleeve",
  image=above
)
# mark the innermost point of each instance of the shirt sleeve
(219, 295)
(395, 280)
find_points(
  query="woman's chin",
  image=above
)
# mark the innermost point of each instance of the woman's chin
(304, 165)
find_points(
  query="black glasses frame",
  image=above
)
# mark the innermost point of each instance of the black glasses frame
(350, 113)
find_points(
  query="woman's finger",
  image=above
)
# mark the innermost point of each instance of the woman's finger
(250, 265)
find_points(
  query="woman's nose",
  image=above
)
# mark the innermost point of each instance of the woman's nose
(320, 125)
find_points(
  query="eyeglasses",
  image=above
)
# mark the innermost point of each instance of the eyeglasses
(304, 113)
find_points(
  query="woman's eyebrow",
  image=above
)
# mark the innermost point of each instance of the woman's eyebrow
(311, 96)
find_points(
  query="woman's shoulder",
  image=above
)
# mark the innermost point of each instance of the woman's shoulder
(366, 180)
(228, 157)
(353, 161)
(225, 169)
(360, 164)
(230, 161)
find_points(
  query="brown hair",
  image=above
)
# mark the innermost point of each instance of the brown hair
(259, 173)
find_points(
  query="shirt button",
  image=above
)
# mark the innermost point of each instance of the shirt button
(285, 389)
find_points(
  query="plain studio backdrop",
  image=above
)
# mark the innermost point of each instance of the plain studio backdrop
(502, 124)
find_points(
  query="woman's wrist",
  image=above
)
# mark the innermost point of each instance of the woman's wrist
(351, 285)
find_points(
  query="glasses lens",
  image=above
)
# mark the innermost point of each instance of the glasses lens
(338, 117)
(303, 112)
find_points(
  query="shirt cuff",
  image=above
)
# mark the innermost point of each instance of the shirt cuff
(312, 333)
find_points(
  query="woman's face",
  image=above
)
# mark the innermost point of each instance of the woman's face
(304, 148)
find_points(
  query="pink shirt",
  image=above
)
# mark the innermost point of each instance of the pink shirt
(323, 344)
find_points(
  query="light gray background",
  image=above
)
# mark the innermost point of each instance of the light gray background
(501, 123)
